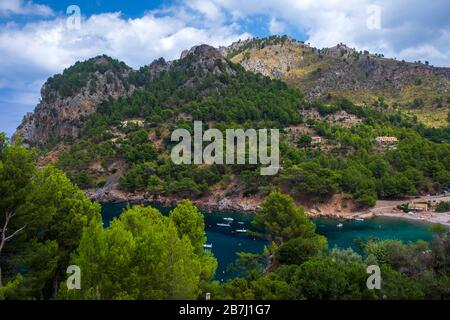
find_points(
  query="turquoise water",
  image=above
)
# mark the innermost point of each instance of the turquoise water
(227, 242)
(380, 228)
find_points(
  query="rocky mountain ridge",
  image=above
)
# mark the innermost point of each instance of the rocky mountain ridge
(68, 99)
(60, 113)
(86, 85)
(341, 71)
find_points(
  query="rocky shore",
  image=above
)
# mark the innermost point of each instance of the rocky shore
(335, 207)
(208, 204)
(250, 205)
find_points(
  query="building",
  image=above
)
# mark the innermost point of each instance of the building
(137, 122)
(418, 207)
(316, 141)
(298, 130)
(386, 141)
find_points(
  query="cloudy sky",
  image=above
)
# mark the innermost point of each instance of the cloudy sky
(39, 38)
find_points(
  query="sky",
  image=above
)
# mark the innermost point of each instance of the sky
(39, 38)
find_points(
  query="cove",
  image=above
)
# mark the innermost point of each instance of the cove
(226, 242)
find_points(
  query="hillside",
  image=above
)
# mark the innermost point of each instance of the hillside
(343, 72)
(328, 74)
(68, 98)
(108, 127)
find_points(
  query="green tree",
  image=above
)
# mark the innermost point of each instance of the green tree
(189, 222)
(299, 250)
(55, 213)
(443, 207)
(282, 220)
(140, 256)
(393, 186)
(304, 140)
(312, 179)
(323, 279)
(17, 166)
(397, 286)
(41, 221)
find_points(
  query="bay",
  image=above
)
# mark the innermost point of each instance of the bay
(226, 242)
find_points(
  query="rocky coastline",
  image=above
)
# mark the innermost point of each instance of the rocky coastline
(218, 202)
(207, 203)
(251, 205)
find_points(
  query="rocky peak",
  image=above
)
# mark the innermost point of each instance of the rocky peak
(68, 98)
(102, 60)
(339, 51)
(158, 66)
(204, 52)
(205, 58)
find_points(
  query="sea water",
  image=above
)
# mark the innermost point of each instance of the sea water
(226, 242)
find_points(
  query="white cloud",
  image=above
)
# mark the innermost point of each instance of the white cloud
(38, 49)
(49, 46)
(21, 7)
(276, 27)
(210, 10)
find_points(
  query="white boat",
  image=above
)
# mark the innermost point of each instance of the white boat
(228, 219)
(359, 219)
(241, 231)
(240, 222)
(340, 225)
(223, 225)
(207, 246)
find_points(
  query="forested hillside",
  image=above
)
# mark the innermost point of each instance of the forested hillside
(125, 143)
(49, 224)
(117, 139)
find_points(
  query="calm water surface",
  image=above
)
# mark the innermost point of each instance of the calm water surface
(227, 242)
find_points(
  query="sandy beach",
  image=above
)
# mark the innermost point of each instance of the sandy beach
(385, 208)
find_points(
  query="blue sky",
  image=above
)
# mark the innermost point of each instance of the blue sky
(35, 41)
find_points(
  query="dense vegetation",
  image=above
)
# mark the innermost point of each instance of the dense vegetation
(49, 224)
(42, 218)
(301, 266)
(350, 162)
(77, 76)
(145, 256)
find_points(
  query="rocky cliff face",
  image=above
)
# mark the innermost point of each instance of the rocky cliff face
(204, 59)
(60, 114)
(69, 98)
(341, 71)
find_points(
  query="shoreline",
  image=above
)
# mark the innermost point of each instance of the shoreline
(435, 218)
(250, 206)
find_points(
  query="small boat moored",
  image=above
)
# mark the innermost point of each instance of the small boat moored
(223, 225)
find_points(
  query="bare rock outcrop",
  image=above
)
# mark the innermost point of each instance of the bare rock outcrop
(67, 99)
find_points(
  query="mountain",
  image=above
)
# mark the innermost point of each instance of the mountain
(109, 128)
(67, 99)
(328, 74)
(341, 71)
